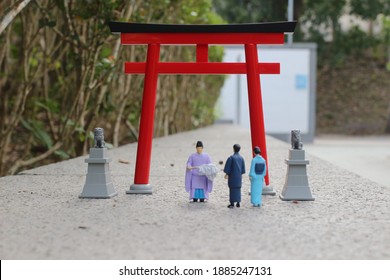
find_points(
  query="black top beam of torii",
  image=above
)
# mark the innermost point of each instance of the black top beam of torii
(267, 27)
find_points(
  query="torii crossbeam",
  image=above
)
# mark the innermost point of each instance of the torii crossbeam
(155, 35)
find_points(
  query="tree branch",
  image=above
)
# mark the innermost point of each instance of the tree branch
(8, 18)
(23, 163)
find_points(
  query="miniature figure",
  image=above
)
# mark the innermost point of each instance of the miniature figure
(199, 186)
(256, 176)
(234, 168)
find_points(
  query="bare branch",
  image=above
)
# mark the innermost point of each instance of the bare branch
(12, 14)
(132, 129)
(23, 163)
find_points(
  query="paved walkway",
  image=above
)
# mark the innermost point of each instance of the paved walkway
(367, 156)
(41, 216)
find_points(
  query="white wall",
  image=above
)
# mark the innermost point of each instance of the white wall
(286, 97)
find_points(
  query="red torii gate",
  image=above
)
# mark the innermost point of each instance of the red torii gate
(155, 35)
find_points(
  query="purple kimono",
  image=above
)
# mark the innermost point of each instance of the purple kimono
(193, 179)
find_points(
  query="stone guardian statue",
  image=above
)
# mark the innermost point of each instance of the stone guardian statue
(296, 143)
(99, 137)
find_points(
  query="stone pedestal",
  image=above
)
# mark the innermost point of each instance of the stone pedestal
(140, 189)
(296, 186)
(98, 182)
(268, 190)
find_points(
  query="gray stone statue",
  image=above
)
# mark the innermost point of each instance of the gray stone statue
(99, 137)
(98, 183)
(296, 186)
(296, 143)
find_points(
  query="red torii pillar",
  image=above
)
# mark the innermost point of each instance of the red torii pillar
(155, 35)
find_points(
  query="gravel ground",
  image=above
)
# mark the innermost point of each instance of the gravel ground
(41, 216)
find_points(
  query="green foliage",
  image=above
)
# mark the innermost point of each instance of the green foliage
(349, 44)
(43, 22)
(64, 76)
(356, 41)
(322, 17)
(386, 30)
(324, 12)
(370, 9)
(49, 105)
(247, 11)
(318, 21)
(38, 130)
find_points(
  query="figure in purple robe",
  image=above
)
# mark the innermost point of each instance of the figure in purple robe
(199, 186)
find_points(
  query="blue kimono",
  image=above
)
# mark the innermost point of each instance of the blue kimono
(234, 168)
(257, 173)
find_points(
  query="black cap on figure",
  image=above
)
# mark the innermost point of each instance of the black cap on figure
(199, 144)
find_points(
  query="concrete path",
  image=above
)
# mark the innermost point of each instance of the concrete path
(41, 216)
(367, 156)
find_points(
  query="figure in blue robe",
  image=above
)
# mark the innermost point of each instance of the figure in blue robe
(256, 175)
(234, 168)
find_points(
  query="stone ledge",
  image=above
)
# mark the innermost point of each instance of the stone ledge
(43, 218)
